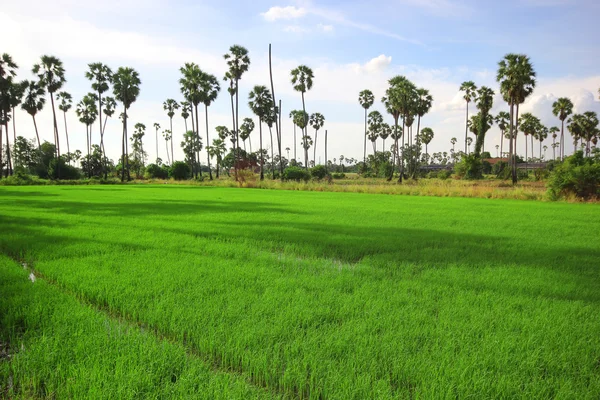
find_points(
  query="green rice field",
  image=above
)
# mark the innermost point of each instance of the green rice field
(164, 291)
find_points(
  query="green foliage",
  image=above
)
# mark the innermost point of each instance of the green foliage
(469, 167)
(486, 167)
(154, 171)
(296, 174)
(577, 176)
(318, 172)
(179, 171)
(59, 169)
(338, 175)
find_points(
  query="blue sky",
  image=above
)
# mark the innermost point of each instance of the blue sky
(350, 45)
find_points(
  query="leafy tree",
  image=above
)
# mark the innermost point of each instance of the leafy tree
(25, 154)
(170, 106)
(375, 121)
(137, 145)
(218, 150)
(366, 100)
(562, 108)
(126, 88)
(179, 171)
(87, 112)
(191, 146)
(517, 81)
(191, 87)
(484, 101)
(316, 121)
(426, 137)
(246, 130)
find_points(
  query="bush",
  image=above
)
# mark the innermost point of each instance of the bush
(318, 172)
(577, 175)
(154, 171)
(338, 175)
(59, 169)
(179, 171)
(486, 167)
(541, 174)
(469, 167)
(444, 174)
(296, 174)
(246, 177)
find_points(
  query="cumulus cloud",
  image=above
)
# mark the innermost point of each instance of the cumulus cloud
(289, 12)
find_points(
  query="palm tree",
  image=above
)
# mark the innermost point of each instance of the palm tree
(170, 106)
(245, 131)
(156, 128)
(528, 124)
(167, 135)
(209, 90)
(33, 103)
(502, 122)
(238, 62)
(87, 112)
(554, 132)
(424, 104)
(574, 127)
(426, 137)
(186, 108)
(484, 101)
(218, 150)
(589, 129)
(375, 121)
(109, 107)
(316, 121)
(100, 75)
(302, 80)
(301, 120)
(51, 74)
(126, 88)
(191, 88)
(293, 117)
(270, 119)
(453, 142)
(8, 71)
(517, 81)
(470, 90)
(65, 103)
(562, 108)
(260, 102)
(366, 99)
(385, 132)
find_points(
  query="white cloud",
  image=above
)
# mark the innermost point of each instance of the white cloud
(325, 28)
(378, 63)
(289, 12)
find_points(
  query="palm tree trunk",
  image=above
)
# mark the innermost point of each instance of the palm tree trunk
(233, 141)
(277, 123)
(501, 142)
(197, 138)
(123, 152)
(101, 132)
(526, 161)
(237, 119)
(466, 126)
(401, 154)
(185, 123)
(365, 144)
(167, 147)
(56, 139)
(87, 139)
(395, 148)
(127, 148)
(326, 164)
(37, 134)
(272, 158)
(67, 134)
(157, 157)
(207, 143)
(14, 126)
(315, 147)
(262, 160)
(515, 177)
(171, 128)
(8, 158)
(295, 157)
(1, 147)
(305, 132)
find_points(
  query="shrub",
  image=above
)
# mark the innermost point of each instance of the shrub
(469, 167)
(444, 174)
(296, 174)
(486, 167)
(59, 169)
(577, 175)
(338, 175)
(154, 171)
(247, 178)
(318, 172)
(541, 174)
(432, 174)
(179, 171)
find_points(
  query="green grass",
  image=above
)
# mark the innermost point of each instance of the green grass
(250, 293)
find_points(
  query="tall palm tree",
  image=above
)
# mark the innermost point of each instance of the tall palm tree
(191, 88)
(170, 106)
(186, 108)
(109, 106)
(209, 90)
(316, 121)
(238, 62)
(246, 130)
(375, 121)
(589, 129)
(218, 150)
(270, 119)
(260, 102)
(8, 71)
(385, 132)
(15, 96)
(51, 74)
(502, 121)
(426, 137)
(100, 75)
(301, 120)
(293, 117)
(87, 112)
(517, 81)
(156, 128)
(167, 135)
(302, 80)
(562, 108)
(554, 132)
(126, 88)
(528, 124)
(453, 142)
(484, 101)
(65, 103)
(33, 103)
(366, 100)
(470, 90)
(574, 127)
